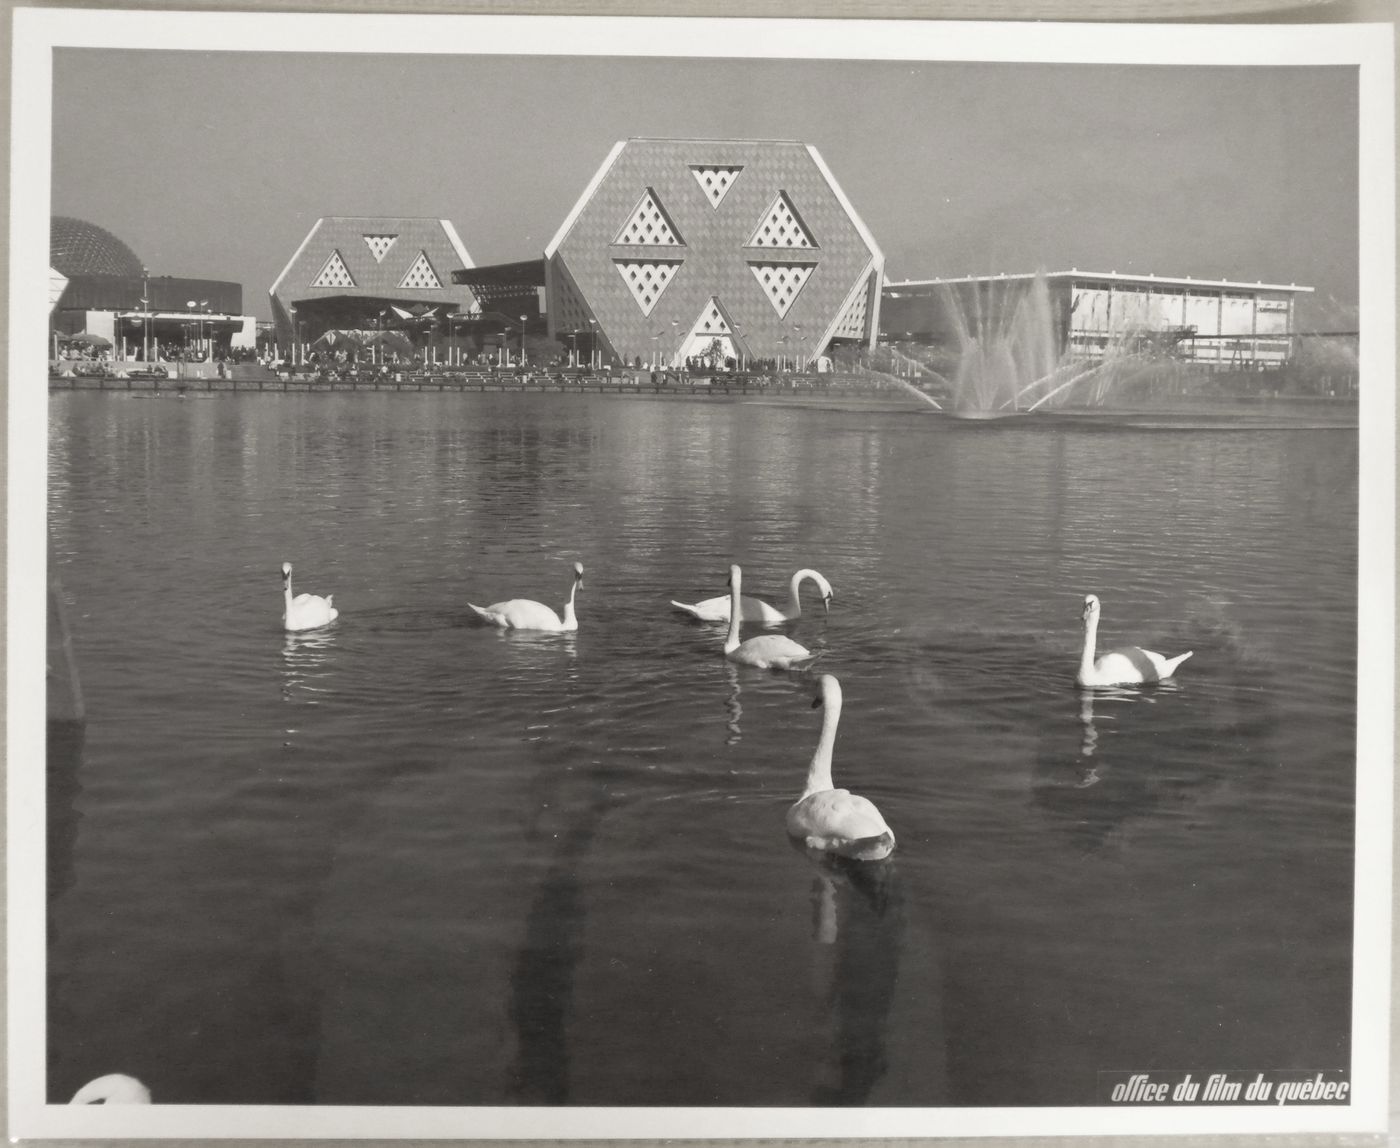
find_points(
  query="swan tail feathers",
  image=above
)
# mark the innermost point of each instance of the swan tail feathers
(691, 610)
(1172, 663)
(871, 848)
(807, 662)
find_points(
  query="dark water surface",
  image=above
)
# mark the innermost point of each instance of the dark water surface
(405, 860)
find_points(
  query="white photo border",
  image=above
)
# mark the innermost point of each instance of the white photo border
(37, 31)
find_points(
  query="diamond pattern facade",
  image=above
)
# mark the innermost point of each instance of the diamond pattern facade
(379, 245)
(678, 242)
(646, 281)
(334, 273)
(649, 225)
(715, 181)
(781, 282)
(852, 323)
(421, 276)
(781, 227)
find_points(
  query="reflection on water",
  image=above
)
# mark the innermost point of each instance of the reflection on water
(306, 664)
(408, 860)
(859, 915)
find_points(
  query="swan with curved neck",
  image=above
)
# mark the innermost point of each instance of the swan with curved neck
(114, 1088)
(524, 614)
(835, 820)
(1126, 666)
(305, 611)
(767, 651)
(756, 609)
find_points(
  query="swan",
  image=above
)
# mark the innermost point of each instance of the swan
(756, 609)
(305, 611)
(112, 1089)
(836, 820)
(767, 651)
(523, 614)
(1126, 666)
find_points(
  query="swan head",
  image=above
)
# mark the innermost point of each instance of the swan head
(1091, 606)
(113, 1089)
(286, 570)
(734, 577)
(578, 573)
(828, 692)
(828, 594)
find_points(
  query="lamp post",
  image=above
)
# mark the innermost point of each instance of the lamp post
(573, 353)
(595, 359)
(199, 307)
(738, 332)
(146, 318)
(797, 347)
(522, 340)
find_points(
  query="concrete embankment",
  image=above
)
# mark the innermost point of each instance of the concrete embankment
(255, 379)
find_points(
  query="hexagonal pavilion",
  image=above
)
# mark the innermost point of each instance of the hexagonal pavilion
(742, 249)
(350, 270)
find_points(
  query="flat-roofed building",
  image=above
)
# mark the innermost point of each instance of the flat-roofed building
(1213, 323)
(684, 249)
(99, 288)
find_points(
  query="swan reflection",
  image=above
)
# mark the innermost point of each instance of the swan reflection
(857, 926)
(306, 661)
(732, 706)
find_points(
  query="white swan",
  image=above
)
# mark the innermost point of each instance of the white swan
(756, 609)
(305, 611)
(767, 651)
(523, 614)
(112, 1089)
(836, 820)
(1126, 666)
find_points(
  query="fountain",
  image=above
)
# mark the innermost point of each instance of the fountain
(1003, 356)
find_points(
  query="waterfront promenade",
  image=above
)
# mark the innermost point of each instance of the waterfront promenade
(252, 378)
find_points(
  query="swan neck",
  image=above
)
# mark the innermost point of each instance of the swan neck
(819, 771)
(731, 641)
(794, 591)
(1091, 633)
(570, 618)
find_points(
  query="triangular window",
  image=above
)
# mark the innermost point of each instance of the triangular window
(421, 274)
(379, 245)
(572, 313)
(712, 321)
(852, 323)
(781, 226)
(334, 273)
(781, 282)
(712, 338)
(649, 224)
(646, 281)
(715, 181)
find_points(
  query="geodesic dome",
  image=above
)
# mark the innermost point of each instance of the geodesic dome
(77, 247)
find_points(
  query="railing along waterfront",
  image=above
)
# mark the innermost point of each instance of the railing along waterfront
(632, 382)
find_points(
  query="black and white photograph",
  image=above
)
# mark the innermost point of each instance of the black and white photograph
(668, 577)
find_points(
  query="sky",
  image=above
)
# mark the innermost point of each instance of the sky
(216, 164)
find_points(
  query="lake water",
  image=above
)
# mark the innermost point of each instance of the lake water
(409, 861)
